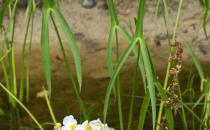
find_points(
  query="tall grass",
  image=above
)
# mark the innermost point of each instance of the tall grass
(24, 76)
(150, 108)
(138, 38)
(147, 70)
(22, 105)
(19, 93)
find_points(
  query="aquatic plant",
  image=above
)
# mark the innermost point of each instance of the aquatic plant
(163, 101)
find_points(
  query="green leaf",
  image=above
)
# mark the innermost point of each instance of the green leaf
(45, 49)
(112, 11)
(162, 91)
(69, 72)
(135, 51)
(125, 33)
(109, 51)
(29, 14)
(169, 116)
(194, 114)
(197, 65)
(150, 78)
(143, 111)
(72, 42)
(114, 76)
(3, 10)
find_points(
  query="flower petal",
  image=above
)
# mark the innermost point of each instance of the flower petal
(85, 123)
(64, 128)
(96, 122)
(68, 120)
(80, 127)
(95, 127)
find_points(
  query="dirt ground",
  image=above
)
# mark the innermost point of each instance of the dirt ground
(91, 27)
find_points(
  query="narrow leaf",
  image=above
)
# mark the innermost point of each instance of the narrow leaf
(143, 111)
(149, 77)
(72, 42)
(45, 49)
(114, 76)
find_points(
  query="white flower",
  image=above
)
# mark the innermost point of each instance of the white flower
(69, 123)
(96, 123)
(82, 126)
(92, 127)
(87, 126)
(100, 126)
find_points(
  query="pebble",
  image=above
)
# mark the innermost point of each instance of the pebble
(89, 4)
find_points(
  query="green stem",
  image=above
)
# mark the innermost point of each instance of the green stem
(22, 69)
(133, 93)
(119, 100)
(183, 111)
(12, 56)
(169, 65)
(162, 103)
(49, 106)
(29, 61)
(114, 19)
(5, 74)
(140, 18)
(177, 20)
(192, 112)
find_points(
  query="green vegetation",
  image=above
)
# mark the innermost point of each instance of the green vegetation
(162, 102)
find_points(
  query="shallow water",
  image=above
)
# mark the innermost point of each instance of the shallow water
(64, 103)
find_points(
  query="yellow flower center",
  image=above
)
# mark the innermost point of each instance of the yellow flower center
(72, 127)
(88, 127)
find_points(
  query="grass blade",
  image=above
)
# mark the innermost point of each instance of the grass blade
(72, 43)
(45, 49)
(114, 76)
(143, 111)
(150, 78)
(197, 65)
(135, 51)
(133, 91)
(22, 60)
(192, 112)
(112, 11)
(3, 10)
(186, 107)
(109, 54)
(69, 71)
(196, 62)
(22, 105)
(168, 111)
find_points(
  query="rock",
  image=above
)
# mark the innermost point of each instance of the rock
(89, 4)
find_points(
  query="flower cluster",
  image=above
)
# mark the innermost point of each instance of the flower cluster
(173, 88)
(70, 123)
